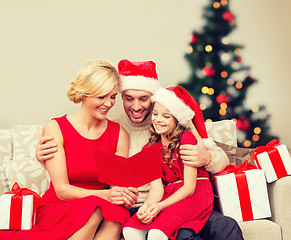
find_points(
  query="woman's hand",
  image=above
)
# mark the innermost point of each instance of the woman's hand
(124, 196)
(130, 196)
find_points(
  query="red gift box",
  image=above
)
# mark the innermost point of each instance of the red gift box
(17, 208)
(242, 192)
(274, 159)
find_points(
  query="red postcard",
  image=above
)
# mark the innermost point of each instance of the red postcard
(136, 171)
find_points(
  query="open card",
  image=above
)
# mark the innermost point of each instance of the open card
(136, 171)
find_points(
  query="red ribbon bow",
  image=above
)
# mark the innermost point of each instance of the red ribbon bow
(236, 169)
(242, 187)
(266, 148)
(16, 204)
(274, 156)
(17, 191)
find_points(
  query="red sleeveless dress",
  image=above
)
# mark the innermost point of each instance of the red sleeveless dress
(191, 212)
(57, 219)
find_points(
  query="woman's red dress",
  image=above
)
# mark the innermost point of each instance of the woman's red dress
(57, 219)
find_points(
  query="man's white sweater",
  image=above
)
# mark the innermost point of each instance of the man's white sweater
(139, 135)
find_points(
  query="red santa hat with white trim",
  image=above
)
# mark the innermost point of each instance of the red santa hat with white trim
(184, 108)
(138, 75)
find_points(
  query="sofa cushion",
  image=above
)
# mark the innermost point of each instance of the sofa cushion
(25, 168)
(260, 229)
(222, 131)
(5, 157)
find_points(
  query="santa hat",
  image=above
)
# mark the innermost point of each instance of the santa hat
(138, 75)
(184, 108)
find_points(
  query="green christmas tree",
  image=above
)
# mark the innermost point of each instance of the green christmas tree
(219, 81)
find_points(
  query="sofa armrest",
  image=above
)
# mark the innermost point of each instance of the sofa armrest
(280, 199)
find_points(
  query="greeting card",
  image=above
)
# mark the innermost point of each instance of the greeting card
(135, 171)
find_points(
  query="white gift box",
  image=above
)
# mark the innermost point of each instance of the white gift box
(273, 170)
(229, 200)
(27, 213)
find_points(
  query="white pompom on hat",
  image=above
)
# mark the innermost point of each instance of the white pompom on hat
(184, 108)
(138, 75)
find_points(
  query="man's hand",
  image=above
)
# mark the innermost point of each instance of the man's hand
(44, 150)
(124, 196)
(195, 155)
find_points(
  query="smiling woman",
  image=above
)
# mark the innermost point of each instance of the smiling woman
(76, 203)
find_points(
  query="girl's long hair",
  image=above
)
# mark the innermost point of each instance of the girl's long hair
(169, 154)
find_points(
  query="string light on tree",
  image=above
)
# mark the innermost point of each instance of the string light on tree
(225, 40)
(208, 48)
(216, 5)
(230, 81)
(223, 2)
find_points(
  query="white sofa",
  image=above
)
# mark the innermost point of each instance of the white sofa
(18, 164)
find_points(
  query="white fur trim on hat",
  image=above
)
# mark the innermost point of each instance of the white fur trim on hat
(139, 83)
(175, 105)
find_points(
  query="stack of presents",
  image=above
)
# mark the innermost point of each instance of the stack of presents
(241, 190)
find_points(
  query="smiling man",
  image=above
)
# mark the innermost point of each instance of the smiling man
(138, 82)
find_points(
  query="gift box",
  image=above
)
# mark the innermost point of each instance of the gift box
(242, 192)
(274, 159)
(17, 208)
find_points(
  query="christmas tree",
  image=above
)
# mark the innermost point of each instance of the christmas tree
(219, 81)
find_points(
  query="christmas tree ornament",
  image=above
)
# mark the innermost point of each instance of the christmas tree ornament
(208, 71)
(238, 59)
(195, 38)
(222, 98)
(243, 124)
(228, 16)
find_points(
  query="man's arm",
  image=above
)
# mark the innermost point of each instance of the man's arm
(214, 160)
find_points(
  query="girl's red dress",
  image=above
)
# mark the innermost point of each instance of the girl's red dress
(191, 212)
(57, 219)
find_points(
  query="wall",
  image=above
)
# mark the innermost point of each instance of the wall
(45, 43)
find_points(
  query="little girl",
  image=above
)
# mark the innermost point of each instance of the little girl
(186, 199)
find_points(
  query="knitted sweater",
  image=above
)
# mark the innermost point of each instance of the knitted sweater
(139, 135)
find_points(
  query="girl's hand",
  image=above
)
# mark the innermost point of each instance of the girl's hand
(142, 213)
(154, 210)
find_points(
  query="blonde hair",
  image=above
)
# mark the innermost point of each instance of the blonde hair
(96, 78)
(169, 153)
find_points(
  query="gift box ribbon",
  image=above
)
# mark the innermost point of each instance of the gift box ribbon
(274, 156)
(16, 204)
(242, 187)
